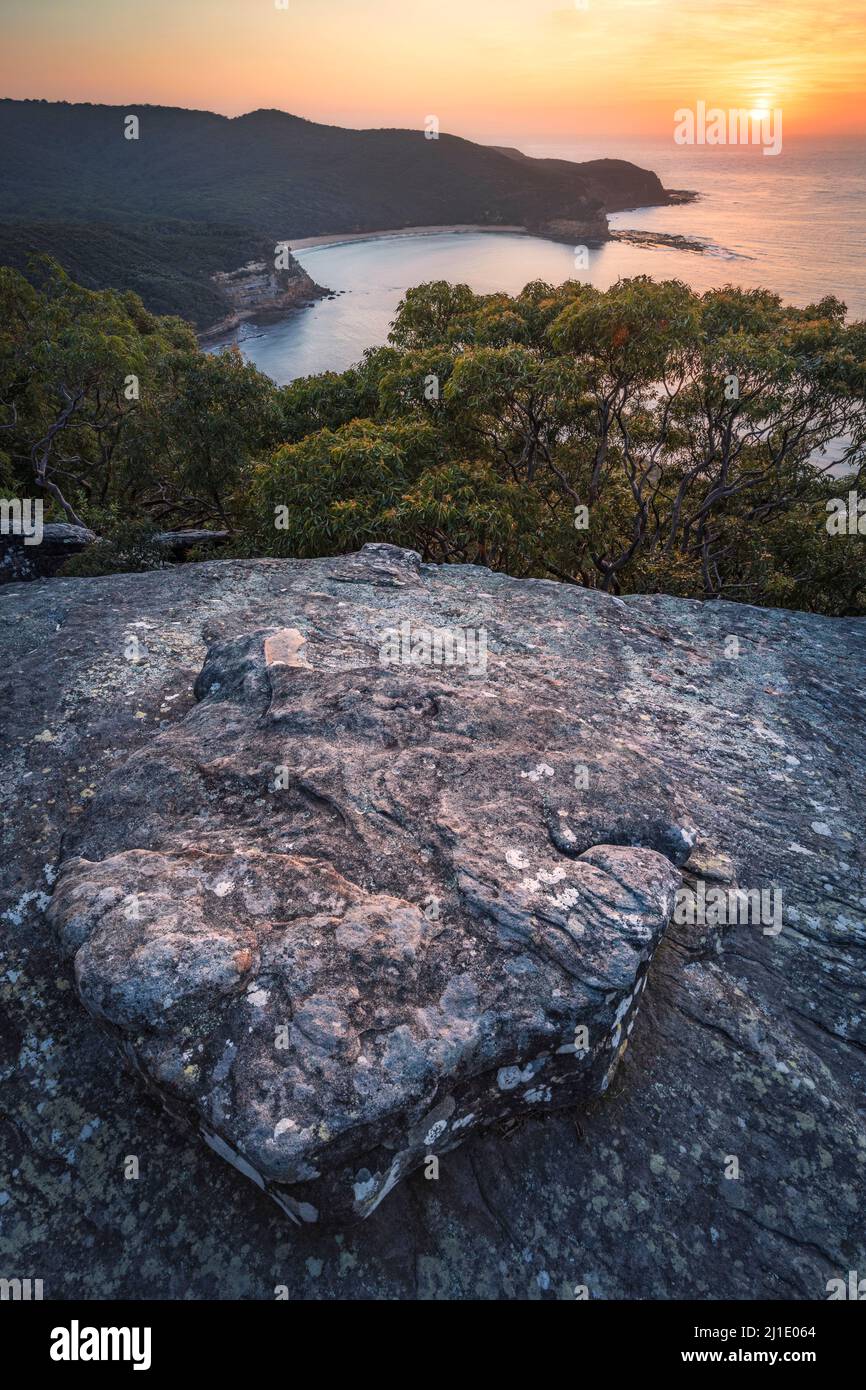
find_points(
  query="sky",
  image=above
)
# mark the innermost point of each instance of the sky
(491, 70)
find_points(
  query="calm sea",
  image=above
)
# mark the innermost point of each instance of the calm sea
(793, 223)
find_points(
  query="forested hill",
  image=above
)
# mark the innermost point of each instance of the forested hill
(282, 175)
(198, 193)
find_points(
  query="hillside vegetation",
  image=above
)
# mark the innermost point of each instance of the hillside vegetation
(642, 439)
(284, 175)
(199, 192)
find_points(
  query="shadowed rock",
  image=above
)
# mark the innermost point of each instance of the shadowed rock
(749, 1044)
(342, 917)
(20, 559)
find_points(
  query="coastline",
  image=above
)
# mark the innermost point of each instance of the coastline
(277, 310)
(344, 238)
(274, 312)
(675, 197)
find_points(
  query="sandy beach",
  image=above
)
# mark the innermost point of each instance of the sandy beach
(341, 238)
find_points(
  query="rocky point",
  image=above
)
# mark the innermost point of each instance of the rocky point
(346, 913)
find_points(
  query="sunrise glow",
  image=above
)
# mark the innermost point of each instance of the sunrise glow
(489, 69)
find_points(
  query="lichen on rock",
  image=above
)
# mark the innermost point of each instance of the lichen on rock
(338, 926)
(747, 1045)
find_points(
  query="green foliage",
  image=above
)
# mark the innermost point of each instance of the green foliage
(337, 489)
(106, 406)
(642, 439)
(169, 263)
(334, 398)
(122, 548)
(645, 439)
(200, 193)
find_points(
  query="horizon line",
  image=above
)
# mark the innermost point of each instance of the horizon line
(534, 138)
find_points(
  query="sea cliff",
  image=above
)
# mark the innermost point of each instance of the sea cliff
(257, 288)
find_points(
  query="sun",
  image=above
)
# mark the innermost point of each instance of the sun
(762, 108)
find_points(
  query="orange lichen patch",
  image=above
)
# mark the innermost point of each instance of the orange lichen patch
(243, 960)
(283, 648)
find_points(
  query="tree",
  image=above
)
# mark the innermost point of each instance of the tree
(645, 438)
(112, 411)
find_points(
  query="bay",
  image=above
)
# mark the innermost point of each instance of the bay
(792, 223)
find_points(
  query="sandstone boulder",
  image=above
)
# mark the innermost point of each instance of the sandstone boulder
(724, 1160)
(348, 912)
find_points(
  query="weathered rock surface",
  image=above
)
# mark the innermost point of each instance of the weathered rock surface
(592, 228)
(749, 1042)
(343, 916)
(20, 559)
(178, 544)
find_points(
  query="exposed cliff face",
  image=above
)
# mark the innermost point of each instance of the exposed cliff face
(748, 1042)
(257, 288)
(589, 228)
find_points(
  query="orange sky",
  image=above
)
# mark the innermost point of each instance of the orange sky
(489, 69)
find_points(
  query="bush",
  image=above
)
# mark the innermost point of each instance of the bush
(129, 548)
(643, 439)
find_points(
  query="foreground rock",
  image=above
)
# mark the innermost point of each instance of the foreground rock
(343, 917)
(749, 1041)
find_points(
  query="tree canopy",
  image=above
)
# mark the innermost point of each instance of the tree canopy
(107, 409)
(644, 438)
(641, 439)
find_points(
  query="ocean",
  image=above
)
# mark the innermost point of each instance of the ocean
(793, 223)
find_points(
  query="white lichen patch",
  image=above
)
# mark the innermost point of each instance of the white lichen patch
(536, 773)
(364, 1186)
(538, 1095)
(570, 897)
(543, 877)
(16, 914)
(463, 1121)
(508, 1078)
(435, 1132)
